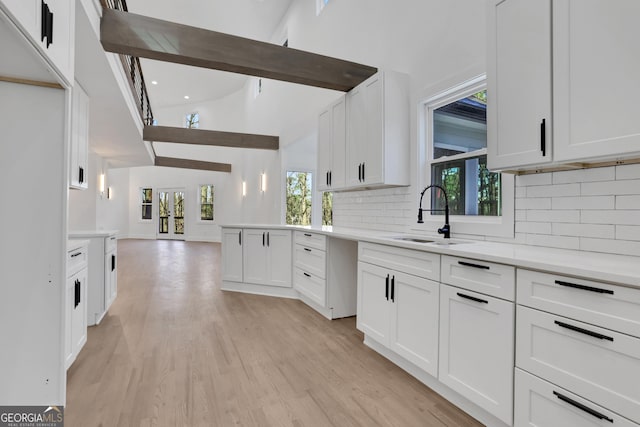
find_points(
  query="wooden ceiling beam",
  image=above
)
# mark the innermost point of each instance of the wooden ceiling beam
(173, 162)
(209, 137)
(145, 37)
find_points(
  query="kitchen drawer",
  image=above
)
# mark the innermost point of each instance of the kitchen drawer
(313, 287)
(418, 263)
(311, 260)
(598, 364)
(610, 306)
(77, 259)
(110, 243)
(311, 240)
(539, 403)
(497, 280)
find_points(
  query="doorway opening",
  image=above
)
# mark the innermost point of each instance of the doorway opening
(171, 211)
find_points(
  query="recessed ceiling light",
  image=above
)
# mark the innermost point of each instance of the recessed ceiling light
(186, 97)
(153, 82)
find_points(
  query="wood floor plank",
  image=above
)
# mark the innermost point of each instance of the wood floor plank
(175, 350)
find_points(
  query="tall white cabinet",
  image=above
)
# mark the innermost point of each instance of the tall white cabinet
(232, 254)
(332, 138)
(79, 151)
(103, 272)
(562, 82)
(76, 299)
(33, 165)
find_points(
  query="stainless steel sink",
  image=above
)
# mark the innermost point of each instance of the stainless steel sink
(413, 239)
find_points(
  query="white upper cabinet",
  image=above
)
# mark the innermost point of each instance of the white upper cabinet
(377, 123)
(332, 137)
(78, 170)
(562, 82)
(519, 84)
(50, 25)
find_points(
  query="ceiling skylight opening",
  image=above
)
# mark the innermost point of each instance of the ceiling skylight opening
(186, 97)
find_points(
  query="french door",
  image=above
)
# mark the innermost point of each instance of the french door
(171, 210)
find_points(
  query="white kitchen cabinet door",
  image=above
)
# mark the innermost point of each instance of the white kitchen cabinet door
(254, 256)
(414, 320)
(279, 263)
(476, 356)
(519, 83)
(78, 171)
(332, 136)
(372, 147)
(232, 254)
(25, 13)
(356, 134)
(374, 310)
(76, 316)
(61, 48)
(539, 403)
(68, 322)
(596, 68)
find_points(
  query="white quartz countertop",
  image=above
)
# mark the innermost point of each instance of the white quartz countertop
(91, 233)
(619, 269)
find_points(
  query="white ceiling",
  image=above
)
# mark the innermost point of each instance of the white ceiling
(254, 19)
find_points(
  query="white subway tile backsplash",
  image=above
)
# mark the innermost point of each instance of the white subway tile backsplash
(553, 216)
(588, 202)
(533, 179)
(610, 217)
(596, 210)
(554, 190)
(584, 230)
(585, 175)
(628, 172)
(628, 232)
(611, 187)
(628, 202)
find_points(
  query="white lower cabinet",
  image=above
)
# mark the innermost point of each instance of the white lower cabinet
(539, 403)
(232, 254)
(476, 349)
(267, 257)
(400, 311)
(76, 302)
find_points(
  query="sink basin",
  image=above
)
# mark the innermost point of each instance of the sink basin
(413, 239)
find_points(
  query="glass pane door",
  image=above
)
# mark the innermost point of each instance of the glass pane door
(171, 214)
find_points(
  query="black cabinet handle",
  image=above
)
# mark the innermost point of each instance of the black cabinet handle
(79, 292)
(263, 233)
(81, 175)
(76, 293)
(393, 288)
(307, 234)
(582, 407)
(43, 20)
(113, 262)
(327, 178)
(240, 238)
(307, 249)
(470, 264)
(360, 172)
(543, 137)
(306, 274)
(386, 292)
(583, 331)
(76, 254)
(49, 28)
(583, 287)
(268, 233)
(363, 176)
(330, 178)
(469, 297)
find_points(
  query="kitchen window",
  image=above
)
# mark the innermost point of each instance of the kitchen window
(147, 203)
(192, 121)
(206, 203)
(455, 134)
(327, 208)
(298, 198)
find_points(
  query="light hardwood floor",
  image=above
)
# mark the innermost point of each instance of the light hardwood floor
(175, 350)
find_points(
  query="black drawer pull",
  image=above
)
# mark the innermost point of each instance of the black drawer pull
(472, 298)
(470, 264)
(584, 288)
(76, 254)
(583, 331)
(113, 262)
(307, 249)
(330, 179)
(543, 137)
(263, 233)
(582, 407)
(386, 292)
(307, 234)
(307, 274)
(240, 238)
(393, 289)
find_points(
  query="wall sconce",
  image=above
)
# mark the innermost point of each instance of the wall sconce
(244, 188)
(263, 182)
(101, 185)
(109, 193)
